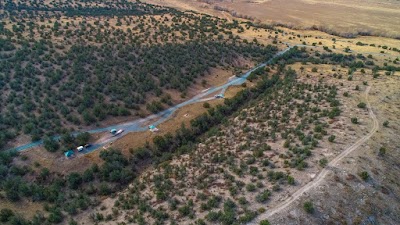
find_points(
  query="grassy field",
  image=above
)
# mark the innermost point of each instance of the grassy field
(340, 17)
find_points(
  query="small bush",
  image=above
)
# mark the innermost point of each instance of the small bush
(308, 207)
(386, 123)
(6, 214)
(362, 105)
(263, 196)
(265, 222)
(364, 175)
(323, 162)
(382, 151)
(250, 187)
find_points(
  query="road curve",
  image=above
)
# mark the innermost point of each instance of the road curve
(317, 180)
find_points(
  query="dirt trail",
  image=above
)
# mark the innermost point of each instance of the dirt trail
(316, 181)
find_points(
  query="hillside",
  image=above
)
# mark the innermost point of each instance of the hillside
(68, 66)
(259, 124)
(276, 143)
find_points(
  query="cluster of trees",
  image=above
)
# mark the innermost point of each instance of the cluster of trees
(169, 145)
(116, 171)
(83, 8)
(101, 69)
(66, 141)
(80, 190)
(65, 194)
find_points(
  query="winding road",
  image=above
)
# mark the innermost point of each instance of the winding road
(321, 176)
(141, 124)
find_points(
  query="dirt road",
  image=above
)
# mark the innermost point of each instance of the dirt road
(317, 180)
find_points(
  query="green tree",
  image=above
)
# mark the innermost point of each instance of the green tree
(5, 215)
(83, 138)
(50, 144)
(74, 180)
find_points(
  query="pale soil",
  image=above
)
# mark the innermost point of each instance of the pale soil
(26, 208)
(182, 116)
(375, 17)
(376, 199)
(323, 173)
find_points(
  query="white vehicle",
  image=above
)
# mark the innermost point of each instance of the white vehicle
(119, 131)
(80, 148)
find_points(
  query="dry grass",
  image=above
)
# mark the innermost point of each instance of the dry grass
(342, 17)
(25, 208)
(182, 116)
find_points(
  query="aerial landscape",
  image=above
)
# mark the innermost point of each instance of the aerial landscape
(199, 112)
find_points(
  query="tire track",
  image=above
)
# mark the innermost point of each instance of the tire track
(321, 176)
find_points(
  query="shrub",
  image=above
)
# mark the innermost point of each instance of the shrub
(184, 210)
(6, 214)
(242, 201)
(206, 105)
(331, 138)
(323, 162)
(213, 216)
(265, 222)
(354, 120)
(74, 180)
(263, 196)
(290, 180)
(250, 187)
(362, 105)
(308, 207)
(382, 151)
(364, 175)
(386, 123)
